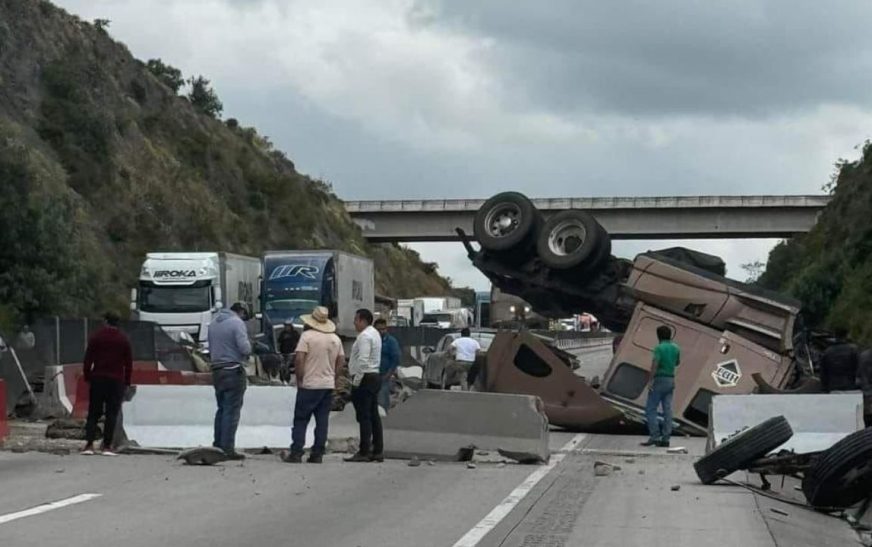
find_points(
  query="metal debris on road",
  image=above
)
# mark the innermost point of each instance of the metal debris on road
(676, 450)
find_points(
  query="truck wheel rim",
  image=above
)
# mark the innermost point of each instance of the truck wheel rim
(502, 220)
(567, 237)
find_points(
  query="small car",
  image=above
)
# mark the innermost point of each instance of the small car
(438, 357)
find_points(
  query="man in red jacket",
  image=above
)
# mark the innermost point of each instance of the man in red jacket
(107, 367)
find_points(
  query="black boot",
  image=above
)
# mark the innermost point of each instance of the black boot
(292, 457)
(315, 458)
(358, 457)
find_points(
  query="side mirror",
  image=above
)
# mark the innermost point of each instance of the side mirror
(3, 347)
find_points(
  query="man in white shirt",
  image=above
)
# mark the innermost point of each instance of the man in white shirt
(464, 350)
(366, 381)
(318, 356)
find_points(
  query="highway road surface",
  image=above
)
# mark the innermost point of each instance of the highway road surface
(144, 501)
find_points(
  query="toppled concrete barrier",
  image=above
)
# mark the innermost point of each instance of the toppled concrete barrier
(818, 421)
(445, 425)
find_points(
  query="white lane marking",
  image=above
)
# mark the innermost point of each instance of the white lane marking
(46, 507)
(489, 522)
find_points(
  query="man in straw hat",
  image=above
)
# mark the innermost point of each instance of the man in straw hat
(319, 356)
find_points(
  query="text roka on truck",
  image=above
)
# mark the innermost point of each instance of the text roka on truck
(182, 291)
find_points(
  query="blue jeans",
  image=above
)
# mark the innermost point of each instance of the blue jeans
(384, 393)
(309, 402)
(229, 391)
(660, 395)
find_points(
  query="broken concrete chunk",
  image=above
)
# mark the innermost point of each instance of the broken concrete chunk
(676, 450)
(602, 469)
(470, 465)
(203, 455)
(414, 462)
(521, 457)
(675, 487)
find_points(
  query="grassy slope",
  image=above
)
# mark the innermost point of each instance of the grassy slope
(108, 163)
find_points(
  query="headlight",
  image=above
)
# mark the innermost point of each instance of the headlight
(512, 309)
(526, 309)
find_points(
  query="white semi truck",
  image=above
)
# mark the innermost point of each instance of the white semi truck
(182, 291)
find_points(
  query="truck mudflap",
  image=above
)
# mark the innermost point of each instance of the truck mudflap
(518, 362)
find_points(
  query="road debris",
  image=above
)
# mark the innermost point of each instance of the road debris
(677, 450)
(414, 462)
(779, 512)
(204, 455)
(602, 469)
(675, 487)
(470, 465)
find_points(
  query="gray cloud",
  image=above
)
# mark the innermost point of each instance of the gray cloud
(391, 99)
(745, 58)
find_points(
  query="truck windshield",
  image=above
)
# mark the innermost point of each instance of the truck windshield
(162, 299)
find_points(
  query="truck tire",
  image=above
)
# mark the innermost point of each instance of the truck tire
(570, 240)
(741, 449)
(507, 222)
(842, 475)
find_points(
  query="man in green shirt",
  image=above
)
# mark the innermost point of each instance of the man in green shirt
(667, 357)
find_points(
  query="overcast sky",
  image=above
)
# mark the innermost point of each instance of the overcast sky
(390, 99)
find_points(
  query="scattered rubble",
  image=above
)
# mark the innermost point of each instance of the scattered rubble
(602, 469)
(204, 455)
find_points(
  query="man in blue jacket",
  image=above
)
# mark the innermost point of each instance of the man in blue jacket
(390, 360)
(229, 348)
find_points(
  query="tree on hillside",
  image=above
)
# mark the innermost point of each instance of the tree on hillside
(204, 97)
(170, 76)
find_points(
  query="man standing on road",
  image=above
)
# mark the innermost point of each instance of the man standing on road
(107, 368)
(838, 367)
(667, 357)
(230, 348)
(365, 384)
(288, 340)
(319, 356)
(463, 351)
(390, 360)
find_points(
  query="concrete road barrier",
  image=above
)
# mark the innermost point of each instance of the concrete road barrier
(818, 420)
(435, 424)
(4, 422)
(172, 416)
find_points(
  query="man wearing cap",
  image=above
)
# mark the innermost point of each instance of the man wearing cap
(288, 340)
(319, 356)
(229, 348)
(366, 382)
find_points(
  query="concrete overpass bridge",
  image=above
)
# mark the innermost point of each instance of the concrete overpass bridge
(683, 217)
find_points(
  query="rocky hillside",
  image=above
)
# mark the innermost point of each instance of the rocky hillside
(102, 160)
(830, 268)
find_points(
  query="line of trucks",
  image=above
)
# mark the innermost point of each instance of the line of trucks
(182, 291)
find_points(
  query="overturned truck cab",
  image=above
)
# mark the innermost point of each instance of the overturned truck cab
(729, 332)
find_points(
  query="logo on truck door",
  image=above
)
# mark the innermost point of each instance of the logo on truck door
(727, 374)
(295, 270)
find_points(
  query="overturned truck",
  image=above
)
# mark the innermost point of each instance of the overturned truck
(733, 336)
